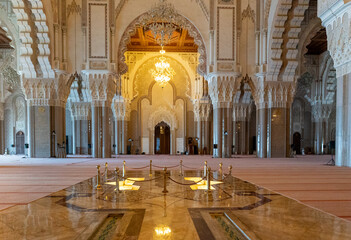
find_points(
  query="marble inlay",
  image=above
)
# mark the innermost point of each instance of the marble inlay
(235, 209)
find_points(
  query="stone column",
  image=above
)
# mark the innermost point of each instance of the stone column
(202, 109)
(117, 129)
(100, 131)
(81, 114)
(2, 133)
(228, 131)
(343, 121)
(261, 117)
(336, 18)
(321, 113)
(102, 86)
(217, 132)
(95, 131)
(222, 86)
(280, 132)
(106, 139)
(121, 111)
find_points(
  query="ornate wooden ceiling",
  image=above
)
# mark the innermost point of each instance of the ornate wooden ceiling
(4, 40)
(144, 41)
(318, 44)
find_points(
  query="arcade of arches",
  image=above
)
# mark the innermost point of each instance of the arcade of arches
(252, 77)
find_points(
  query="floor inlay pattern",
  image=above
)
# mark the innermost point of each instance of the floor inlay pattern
(236, 209)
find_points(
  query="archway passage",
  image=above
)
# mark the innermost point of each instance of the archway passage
(162, 138)
(297, 142)
(19, 143)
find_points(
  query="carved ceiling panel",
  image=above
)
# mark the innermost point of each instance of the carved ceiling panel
(143, 40)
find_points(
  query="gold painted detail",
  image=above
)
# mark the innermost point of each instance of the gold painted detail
(128, 184)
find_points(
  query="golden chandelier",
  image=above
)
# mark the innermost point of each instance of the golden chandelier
(163, 72)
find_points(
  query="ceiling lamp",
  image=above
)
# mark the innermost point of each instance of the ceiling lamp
(162, 20)
(163, 72)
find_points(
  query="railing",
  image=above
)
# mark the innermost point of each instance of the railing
(207, 175)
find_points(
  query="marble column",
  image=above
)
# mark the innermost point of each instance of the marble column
(318, 136)
(206, 136)
(2, 133)
(95, 131)
(117, 140)
(343, 121)
(280, 132)
(58, 125)
(2, 137)
(75, 139)
(228, 131)
(217, 132)
(101, 140)
(261, 117)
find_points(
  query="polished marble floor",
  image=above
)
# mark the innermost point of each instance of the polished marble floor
(235, 209)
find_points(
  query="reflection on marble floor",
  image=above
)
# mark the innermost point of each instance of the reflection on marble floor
(234, 210)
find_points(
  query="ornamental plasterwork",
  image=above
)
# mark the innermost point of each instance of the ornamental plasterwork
(202, 109)
(143, 78)
(241, 112)
(121, 108)
(273, 94)
(73, 8)
(131, 30)
(339, 43)
(248, 13)
(46, 91)
(321, 112)
(80, 111)
(163, 114)
(102, 86)
(11, 78)
(201, 4)
(221, 88)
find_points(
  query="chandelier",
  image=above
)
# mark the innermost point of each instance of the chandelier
(163, 72)
(162, 20)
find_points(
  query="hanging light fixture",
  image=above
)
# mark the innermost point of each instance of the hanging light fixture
(162, 20)
(163, 71)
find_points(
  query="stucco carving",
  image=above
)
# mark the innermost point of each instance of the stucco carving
(80, 111)
(165, 115)
(131, 30)
(283, 60)
(202, 109)
(201, 4)
(121, 108)
(102, 86)
(221, 88)
(248, 13)
(47, 91)
(272, 94)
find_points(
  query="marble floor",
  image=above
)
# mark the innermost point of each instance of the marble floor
(305, 179)
(235, 209)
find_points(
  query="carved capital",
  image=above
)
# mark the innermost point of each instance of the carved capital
(121, 108)
(80, 110)
(221, 88)
(102, 86)
(202, 109)
(336, 17)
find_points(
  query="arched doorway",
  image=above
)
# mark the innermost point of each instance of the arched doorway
(162, 138)
(297, 142)
(20, 142)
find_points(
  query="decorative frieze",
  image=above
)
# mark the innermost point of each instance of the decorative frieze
(48, 91)
(102, 86)
(273, 94)
(80, 110)
(202, 109)
(121, 108)
(221, 88)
